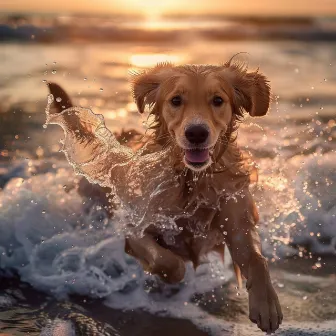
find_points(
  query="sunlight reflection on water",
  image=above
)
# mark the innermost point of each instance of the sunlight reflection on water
(149, 59)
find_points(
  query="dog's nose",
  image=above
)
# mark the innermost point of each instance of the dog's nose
(196, 134)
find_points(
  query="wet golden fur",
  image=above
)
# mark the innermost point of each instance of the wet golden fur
(246, 92)
(233, 221)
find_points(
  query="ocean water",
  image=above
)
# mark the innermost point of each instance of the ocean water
(63, 256)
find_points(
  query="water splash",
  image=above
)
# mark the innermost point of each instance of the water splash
(146, 185)
(150, 192)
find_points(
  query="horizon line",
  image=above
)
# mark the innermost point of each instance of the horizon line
(169, 14)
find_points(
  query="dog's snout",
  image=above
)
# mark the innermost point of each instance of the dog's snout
(197, 134)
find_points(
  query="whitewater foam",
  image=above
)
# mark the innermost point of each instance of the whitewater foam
(63, 244)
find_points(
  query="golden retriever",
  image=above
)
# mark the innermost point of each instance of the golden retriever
(196, 111)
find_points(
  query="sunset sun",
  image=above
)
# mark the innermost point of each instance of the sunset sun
(151, 9)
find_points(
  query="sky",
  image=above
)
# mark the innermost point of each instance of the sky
(159, 7)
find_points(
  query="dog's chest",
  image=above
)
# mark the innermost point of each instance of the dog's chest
(199, 223)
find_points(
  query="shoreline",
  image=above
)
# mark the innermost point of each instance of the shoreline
(307, 302)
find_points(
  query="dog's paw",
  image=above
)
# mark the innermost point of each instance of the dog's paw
(264, 307)
(168, 266)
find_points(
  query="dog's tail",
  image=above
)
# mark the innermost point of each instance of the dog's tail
(61, 99)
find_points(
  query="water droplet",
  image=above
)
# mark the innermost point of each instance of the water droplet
(43, 211)
(54, 72)
(44, 81)
(58, 99)
(45, 126)
(85, 78)
(101, 89)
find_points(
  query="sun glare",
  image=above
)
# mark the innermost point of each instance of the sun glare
(151, 9)
(149, 60)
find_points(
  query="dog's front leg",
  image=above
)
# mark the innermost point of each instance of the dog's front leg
(238, 218)
(155, 258)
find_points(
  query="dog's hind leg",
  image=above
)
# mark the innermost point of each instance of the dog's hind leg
(220, 249)
(238, 275)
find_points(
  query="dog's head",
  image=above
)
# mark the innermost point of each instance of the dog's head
(196, 104)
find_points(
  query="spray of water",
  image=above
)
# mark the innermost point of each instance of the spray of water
(148, 188)
(146, 185)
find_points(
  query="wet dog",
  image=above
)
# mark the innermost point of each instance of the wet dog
(196, 110)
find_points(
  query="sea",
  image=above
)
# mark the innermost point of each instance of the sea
(63, 269)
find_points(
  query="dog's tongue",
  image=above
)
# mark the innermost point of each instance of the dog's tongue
(197, 155)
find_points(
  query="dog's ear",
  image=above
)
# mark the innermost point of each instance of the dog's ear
(251, 90)
(145, 85)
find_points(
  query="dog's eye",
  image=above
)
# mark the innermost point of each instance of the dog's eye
(217, 101)
(176, 101)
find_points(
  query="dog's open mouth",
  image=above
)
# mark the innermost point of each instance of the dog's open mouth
(197, 157)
